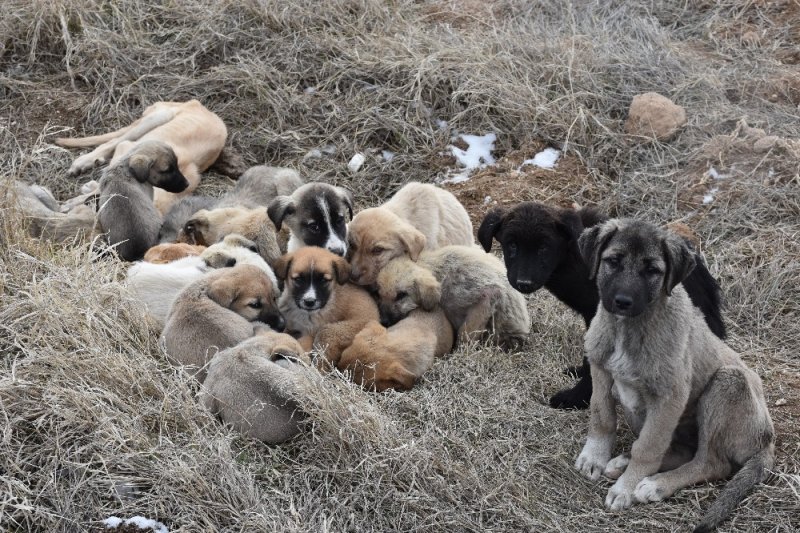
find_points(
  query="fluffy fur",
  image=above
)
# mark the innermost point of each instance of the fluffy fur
(195, 135)
(699, 413)
(469, 284)
(168, 252)
(260, 185)
(395, 358)
(45, 218)
(180, 212)
(418, 217)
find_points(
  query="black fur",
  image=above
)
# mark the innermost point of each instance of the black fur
(321, 292)
(540, 249)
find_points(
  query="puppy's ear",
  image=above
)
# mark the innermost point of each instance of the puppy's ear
(491, 224)
(280, 208)
(224, 291)
(592, 242)
(347, 198)
(139, 166)
(429, 291)
(679, 260)
(413, 241)
(282, 266)
(193, 230)
(341, 270)
(569, 224)
(235, 239)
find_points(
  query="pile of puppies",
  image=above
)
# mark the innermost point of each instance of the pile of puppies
(383, 296)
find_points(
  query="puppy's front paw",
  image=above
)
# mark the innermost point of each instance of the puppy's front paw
(619, 497)
(616, 466)
(650, 490)
(592, 460)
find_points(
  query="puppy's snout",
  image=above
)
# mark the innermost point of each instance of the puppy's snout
(309, 301)
(623, 302)
(524, 285)
(338, 250)
(355, 274)
(274, 320)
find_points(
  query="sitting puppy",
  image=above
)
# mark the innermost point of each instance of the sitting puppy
(219, 311)
(208, 227)
(395, 358)
(251, 386)
(698, 411)
(469, 284)
(168, 252)
(126, 211)
(315, 215)
(418, 217)
(540, 249)
(319, 306)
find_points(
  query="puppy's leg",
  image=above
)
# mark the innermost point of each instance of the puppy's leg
(336, 337)
(596, 452)
(577, 397)
(476, 320)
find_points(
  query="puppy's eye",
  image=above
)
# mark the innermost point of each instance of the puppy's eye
(612, 261)
(313, 227)
(652, 271)
(189, 227)
(377, 250)
(252, 249)
(400, 295)
(339, 219)
(512, 249)
(230, 262)
(255, 305)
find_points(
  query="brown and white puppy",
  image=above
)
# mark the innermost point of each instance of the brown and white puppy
(470, 286)
(195, 134)
(208, 227)
(219, 311)
(316, 215)
(252, 386)
(167, 252)
(395, 358)
(319, 305)
(418, 217)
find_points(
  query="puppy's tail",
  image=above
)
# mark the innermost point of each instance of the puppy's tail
(95, 140)
(752, 473)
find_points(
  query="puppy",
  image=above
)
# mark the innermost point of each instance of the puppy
(315, 215)
(42, 213)
(260, 185)
(540, 250)
(234, 250)
(195, 134)
(395, 358)
(418, 217)
(319, 306)
(180, 212)
(469, 284)
(168, 252)
(126, 211)
(699, 413)
(251, 386)
(207, 227)
(219, 311)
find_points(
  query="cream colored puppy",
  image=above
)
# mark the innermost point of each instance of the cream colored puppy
(418, 217)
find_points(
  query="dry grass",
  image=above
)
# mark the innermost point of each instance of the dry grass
(95, 423)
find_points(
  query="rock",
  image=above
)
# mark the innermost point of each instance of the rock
(653, 115)
(765, 144)
(356, 162)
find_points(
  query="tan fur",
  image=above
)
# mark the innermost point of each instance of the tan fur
(469, 284)
(252, 386)
(395, 358)
(195, 134)
(207, 227)
(418, 217)
(168, 252)
(348, 309)
(217, 312)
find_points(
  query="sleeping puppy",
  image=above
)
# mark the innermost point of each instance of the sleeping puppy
(698, 412)
(315, 214)
(418, 217)
(219, 311)
(180, 212)
(208, 227)
(46, 219)
(470, 286)
(395, 358)
(319, 306)
(540, 249)
(126, 211)
(168, 252)
(260, 185)
(251, 386)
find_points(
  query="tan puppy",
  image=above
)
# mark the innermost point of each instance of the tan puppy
(469, 284)
(251, 386)
(194, 133)
(167, 252)
(208, 227)
(395, 358)
(418, 217)
(319, 306)
(219, 311)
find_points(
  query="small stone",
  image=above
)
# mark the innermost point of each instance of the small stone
(653, 115)
(780, 401)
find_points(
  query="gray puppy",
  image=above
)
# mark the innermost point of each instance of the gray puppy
(127, 211)
(698, 411)
(180, 212)
(259, 185)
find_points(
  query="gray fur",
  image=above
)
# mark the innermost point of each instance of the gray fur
(259, 185)
(180, 212)
(698, 411)
(45, 219)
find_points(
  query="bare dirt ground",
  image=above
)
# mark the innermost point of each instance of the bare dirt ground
(94, 422)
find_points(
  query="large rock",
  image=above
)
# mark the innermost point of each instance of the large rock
(653, 115)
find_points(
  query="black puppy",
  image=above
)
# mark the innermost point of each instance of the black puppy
(540, 248)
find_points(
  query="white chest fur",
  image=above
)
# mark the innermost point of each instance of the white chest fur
(620, 366)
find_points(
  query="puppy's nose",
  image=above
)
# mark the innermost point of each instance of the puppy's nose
(355, 275)
(338, 250)
(276, 322)
(308, 302)
(524, 285)
(623, 302)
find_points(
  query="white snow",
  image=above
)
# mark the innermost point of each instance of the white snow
(355, 163)
(479, 151)
(441, 124)
(112, 521)
(708, 198)
(714, 174)
(458, 177)
(387, 155)
(310, 90)
(138, 521)
(487, 200)
(545, 159)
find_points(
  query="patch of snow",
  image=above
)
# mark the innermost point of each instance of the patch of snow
(708, 198)
(459, 177)
(387, 155)
(310, 90)
(441, 124)
(479, 151)
(138, 521)
(713, 173)
(112, 521)
(545, 159)
(487, 200)
(356, 162)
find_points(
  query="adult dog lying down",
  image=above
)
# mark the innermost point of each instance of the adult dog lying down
(699, 413)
